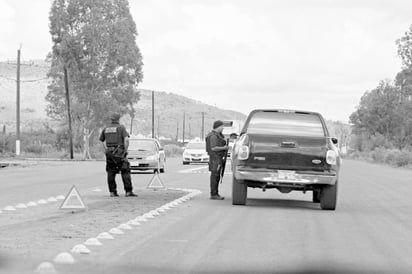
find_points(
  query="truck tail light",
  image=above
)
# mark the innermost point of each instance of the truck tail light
(243, 152)
(331, 157)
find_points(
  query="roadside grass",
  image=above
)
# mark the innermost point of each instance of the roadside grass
(388, 156)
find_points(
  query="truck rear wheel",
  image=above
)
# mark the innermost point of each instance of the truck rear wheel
(239, 192)
(328, 197)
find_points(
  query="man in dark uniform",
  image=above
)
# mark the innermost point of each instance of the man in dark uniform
(217, 149)
(115, 140)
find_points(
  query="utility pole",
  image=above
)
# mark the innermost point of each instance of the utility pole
(18, 104)
(153, 133)
(184, 121)
(177, 129)
(19, 64)
(190, 128)
(158, 127)
(4, 138)
(131, 125)
(69, 117)
(203, 126)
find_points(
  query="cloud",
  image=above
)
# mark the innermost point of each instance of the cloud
(315, 55)
(25, 23)
(6, 15)
(305, 55)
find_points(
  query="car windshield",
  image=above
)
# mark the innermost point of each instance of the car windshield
(142, 145)
(199, 145)
(289, 123)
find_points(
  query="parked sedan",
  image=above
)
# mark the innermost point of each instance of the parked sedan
(288, 150)
(146, 154)
(195, 152)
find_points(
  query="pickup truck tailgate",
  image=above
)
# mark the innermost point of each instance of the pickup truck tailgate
(285, 152)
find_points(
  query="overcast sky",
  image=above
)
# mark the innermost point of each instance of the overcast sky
(242, 54)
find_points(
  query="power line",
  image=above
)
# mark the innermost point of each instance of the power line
(31, 80)
(7, 78)
(35, 80)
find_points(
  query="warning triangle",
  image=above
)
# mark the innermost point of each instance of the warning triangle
(73, 200)
(156, 182)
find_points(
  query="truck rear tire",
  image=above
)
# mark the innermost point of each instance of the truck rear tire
(239, 192)
(328, 197)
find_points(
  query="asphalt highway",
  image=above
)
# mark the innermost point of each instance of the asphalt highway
(370, 231)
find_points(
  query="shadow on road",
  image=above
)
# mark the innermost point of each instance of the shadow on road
(282, 203)
(153, 269)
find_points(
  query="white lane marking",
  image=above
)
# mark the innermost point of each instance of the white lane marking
(191, 170)
(201, 170)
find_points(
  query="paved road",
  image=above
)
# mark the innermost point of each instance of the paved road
(370, 232)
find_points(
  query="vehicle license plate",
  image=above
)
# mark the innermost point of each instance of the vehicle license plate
(287, 175)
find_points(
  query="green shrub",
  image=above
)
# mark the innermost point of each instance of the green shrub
(391, 156)
(378, 155)
(97, 152)
(35, 148)
(6, 143)
(403, 159)
(398, 158)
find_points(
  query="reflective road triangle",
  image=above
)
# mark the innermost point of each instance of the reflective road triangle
(73, 200)
(155, 182)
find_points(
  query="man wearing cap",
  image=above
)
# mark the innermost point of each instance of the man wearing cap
(115, 140)
(217, 148)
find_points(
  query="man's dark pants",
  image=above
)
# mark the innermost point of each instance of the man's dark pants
(215, 165)
(116, 162)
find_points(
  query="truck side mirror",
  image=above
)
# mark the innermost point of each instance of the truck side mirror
(334, 140)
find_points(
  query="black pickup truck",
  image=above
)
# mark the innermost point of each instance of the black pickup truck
(288, 150)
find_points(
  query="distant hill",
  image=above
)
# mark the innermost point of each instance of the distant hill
(169, 107)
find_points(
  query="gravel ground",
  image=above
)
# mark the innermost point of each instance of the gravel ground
(37, 234)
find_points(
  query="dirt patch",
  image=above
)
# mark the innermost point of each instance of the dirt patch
(39, 233)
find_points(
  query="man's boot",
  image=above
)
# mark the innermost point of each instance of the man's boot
(130, 194)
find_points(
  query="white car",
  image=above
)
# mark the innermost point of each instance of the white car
(195, 152)
(146, 154)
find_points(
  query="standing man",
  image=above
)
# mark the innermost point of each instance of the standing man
(216, 147)
(115, 140)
